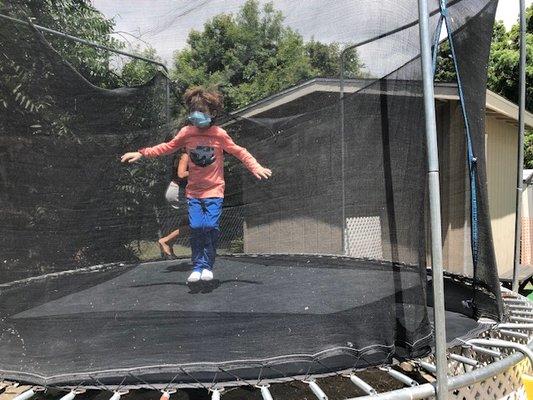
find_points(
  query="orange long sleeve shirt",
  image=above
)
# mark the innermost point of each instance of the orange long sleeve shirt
(205, 179)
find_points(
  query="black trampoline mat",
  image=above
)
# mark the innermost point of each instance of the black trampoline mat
(256, 309)
(240, 286)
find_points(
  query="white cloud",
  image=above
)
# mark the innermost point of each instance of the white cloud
(508, 11)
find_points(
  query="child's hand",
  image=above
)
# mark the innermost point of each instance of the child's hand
(131, 157)
(263, 173)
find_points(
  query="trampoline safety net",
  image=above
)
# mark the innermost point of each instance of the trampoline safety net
(322, 268)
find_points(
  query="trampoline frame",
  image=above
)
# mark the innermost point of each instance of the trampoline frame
(522, 351)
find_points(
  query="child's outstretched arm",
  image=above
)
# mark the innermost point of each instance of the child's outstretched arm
(245, 157)
(158, 150)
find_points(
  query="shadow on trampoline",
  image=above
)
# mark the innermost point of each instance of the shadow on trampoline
(201, 287)
(182, 266)
(208, 287)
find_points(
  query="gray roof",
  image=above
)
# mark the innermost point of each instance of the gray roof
(495, 104)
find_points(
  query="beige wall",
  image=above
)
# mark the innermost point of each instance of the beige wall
(501, 143)
(457, 254)
(289, 234)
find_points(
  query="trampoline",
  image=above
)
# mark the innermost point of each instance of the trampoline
(323, 269)
(146, 315)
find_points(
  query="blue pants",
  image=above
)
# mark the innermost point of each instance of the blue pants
(204, 217)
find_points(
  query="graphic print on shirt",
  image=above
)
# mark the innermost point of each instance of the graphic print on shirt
(203, 155)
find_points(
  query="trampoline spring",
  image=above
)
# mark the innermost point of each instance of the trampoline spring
(118, 394)
(361, 384)
(72, 394)
(518, 307)
(520, 319)
(431, 368)
(484, 350)
(165, 395)
(506, 293)
(68, 396)
(525, 327)
(265, 392)
(518, 335)
(28, 394)
(464, 360)
(320, 395)
(400, 377)
(522, 312)
(215, 395)
(514, 301)
(25, 395)
(525, 350)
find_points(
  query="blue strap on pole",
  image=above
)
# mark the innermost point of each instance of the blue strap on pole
(472, 161)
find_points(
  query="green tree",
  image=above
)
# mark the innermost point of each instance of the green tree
(78, 18)
(77, 142)
(325, 60)
(20, 68)
(252, 55)
(504, 61)
(528, 150)
(137, 72)
(502, 69)
(445, 71)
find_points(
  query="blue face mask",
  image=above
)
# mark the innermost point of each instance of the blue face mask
(200, 119)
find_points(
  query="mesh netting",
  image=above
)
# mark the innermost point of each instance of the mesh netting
(321, 268)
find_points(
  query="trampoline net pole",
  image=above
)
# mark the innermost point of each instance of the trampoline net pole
(167, 101)
(520, 153)
(434, 201)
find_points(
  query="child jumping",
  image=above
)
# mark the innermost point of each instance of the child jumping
(205, 144)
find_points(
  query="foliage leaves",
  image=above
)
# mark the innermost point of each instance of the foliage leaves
(503, 69)
(251, 55)
(68, 134)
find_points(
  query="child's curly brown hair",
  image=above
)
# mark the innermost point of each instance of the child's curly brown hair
(199, 98)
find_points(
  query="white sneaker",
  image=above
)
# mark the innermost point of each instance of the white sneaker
(206, 275)
(194, 277)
